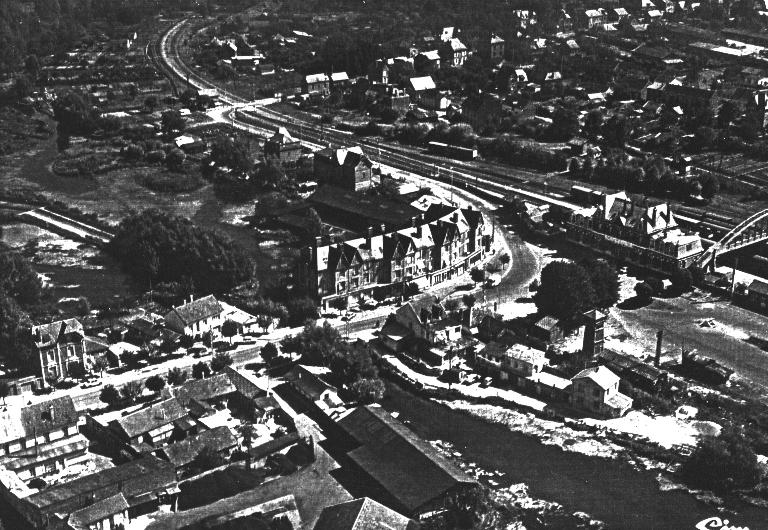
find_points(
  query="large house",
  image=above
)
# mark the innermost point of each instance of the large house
(63, 347)
(152, 427)
(442, 244)
(316, 84)
(40, 439)
(454, 53)
(596, 390)
(648, 236)
(196, 317)
(516, 360)
(347, 168)
(362, 514)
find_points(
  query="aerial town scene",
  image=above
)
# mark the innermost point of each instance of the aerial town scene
(383, 264)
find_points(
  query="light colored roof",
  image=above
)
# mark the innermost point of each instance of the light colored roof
(600, 375)
(422, 83)
(339, 76)
(144, 420)
(316, 78)
(360, 514)
(432, 55)
(197, 310)
(457, 45)
(593, 13)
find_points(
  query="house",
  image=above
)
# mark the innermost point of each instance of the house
(427, 62)
(406, 472)
(419, 85)
(632, 371)
(482, 111)
(307, 380)
(152, 427)
(454, 53)
(362, 514)
(705, 369)
(757, 294)
(618, 14)
(346, 168)
(379, 72)
(145, 484)
(515, 361)
(63, 349)
(41, 439)
(198, 395)
(316, 84)
(339, 80)
(591, 18)
(111, 512)
(196, 317)
(547, 329)
(182, 454)
(596, 390)
(283, 147)
(491, 47)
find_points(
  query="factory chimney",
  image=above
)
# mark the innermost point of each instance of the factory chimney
(659, 337)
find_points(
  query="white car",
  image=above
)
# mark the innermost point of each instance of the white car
(90, 384)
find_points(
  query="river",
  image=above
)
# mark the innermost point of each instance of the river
(609, 490)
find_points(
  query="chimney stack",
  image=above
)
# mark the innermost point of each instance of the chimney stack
(659, 337)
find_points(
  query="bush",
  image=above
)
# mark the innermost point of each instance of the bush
(722, 464)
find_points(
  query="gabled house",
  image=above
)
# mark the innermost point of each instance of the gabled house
(196, 317)
(596, 390)
(427, 62)
(591, 18)
(339, 80)
(40, 439)
(199, 395)
(63, 344)
(513, 361)
(348, 168)
(454, 53)
(309, 382)
(152, 427)
(316, 84)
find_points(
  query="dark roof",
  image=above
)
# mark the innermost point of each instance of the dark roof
(59, 331)
(375, 209)
(198, 310)
(309, 383)
(408, 468)
(182, 453)
(654, 52)
(132, 479)
(758, 287)
(361, 514)
(99, 511)
(48, 416)
(266, 403)
(144, 420)
(204, 389)
(272, 446)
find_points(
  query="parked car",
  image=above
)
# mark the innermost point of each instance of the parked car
(90, 384)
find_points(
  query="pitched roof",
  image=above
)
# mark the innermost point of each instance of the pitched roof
(308, 380)
(408, 468)
(422, 83)
(98, 511)
(316, 78)
(197, 310)
(59, 331)
(185, 451)
(38, 419)
(758, 287)
(361, 514)
(339, 76)
(376, 210)
(133, 479)
(144, 420)
(203, 389)
(600, 375)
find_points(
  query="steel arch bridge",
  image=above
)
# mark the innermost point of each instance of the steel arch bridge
(752, 230)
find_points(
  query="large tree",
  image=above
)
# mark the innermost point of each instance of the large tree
(605, 282)
(722, 464)
(565, 290)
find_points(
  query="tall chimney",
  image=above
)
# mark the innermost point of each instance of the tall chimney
(659, 336)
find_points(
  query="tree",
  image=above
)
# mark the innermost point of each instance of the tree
(593, 123)
(5, 390)
(605, 282)
(175, 158)
(230, 328)
(367, 391)
(315, 223)
(477, 275)
(100, 364)
(682, 280)
(644, 291)
(110, 395)
(16, 345)
(469, 300)
(504, 259)
(201, 370)
(316, 344)
(18, 279)
(264, 322)
(172, 122)
(131, 391)
(726, 114)
(472, 507)
(220, 361)
(247, 432)
(565, 123)
(176, 376)
(269, 352)
(710, 186)
(32, 66)
(155, 383)
(451, 305)
(151, 103)
(565, 291)
(722, 464)
(616, 130)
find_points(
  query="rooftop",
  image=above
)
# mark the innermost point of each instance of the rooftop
(144, 420)
(38, 419)
(361, 514)
(197, 310)
(185, 451)
(600, 375)
(203, 389)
